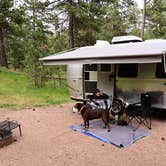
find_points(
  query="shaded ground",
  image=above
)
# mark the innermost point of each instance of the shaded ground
(47, 141)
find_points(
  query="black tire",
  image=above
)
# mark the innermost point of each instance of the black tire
(117, 107)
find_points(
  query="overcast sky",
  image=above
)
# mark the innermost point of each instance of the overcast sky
(140, 3)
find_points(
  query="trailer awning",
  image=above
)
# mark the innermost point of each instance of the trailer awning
(142, 52)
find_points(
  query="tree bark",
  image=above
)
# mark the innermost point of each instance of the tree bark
(3, 56)
(144, 18)
(71, 27)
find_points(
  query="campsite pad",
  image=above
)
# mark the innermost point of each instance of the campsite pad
(120, 136)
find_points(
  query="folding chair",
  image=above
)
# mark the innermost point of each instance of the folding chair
(140, 112)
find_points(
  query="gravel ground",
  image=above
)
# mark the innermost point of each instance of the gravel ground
(47, 141)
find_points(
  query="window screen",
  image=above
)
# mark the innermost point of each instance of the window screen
(90, 67)
(128, 70)
(90, 86)
(86, 75)
(105, 67)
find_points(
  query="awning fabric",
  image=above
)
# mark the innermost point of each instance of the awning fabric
(142, 52)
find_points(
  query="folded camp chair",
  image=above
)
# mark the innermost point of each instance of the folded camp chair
(140, 111)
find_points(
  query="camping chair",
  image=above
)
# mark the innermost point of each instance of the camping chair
(140, 112)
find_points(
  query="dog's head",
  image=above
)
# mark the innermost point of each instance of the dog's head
(78, 106)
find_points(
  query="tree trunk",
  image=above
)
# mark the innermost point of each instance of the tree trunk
(143, 20)
(14, 62)
(71, 27)
(3, 56)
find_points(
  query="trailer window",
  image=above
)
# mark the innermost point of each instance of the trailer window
(160, 71)
(91, 67)
(86, 75)
(128, 70)
(90, 86)
(105, 67)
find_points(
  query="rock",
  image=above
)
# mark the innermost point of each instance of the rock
(162, 138)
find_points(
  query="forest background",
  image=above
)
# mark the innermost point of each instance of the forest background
(31, 29)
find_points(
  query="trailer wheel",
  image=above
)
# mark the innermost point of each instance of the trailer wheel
(117, 107)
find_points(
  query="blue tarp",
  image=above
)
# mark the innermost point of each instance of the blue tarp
(120, 136)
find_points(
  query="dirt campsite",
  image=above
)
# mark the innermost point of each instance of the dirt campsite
(47, 140)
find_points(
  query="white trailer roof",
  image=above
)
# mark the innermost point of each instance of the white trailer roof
(141, 52)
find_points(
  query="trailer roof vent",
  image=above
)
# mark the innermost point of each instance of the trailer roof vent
(125, 39)
(101, 43)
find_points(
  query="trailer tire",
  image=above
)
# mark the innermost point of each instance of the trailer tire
(117, 107)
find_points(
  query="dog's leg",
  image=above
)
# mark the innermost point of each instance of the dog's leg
(84, 123)
(106, 123)
(87, 124)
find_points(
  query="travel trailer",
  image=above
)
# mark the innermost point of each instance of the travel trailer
(124, 69)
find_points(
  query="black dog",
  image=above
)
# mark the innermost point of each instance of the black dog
(89, 114)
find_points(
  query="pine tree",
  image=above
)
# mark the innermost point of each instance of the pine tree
(156, 19)
(10, 25)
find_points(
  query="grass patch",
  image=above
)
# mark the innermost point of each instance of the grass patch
(15, 92)
(7, 105)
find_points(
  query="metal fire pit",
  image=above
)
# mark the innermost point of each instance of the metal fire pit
(6, 128)
(5, 138)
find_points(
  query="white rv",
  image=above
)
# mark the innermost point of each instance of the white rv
(124, 69)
